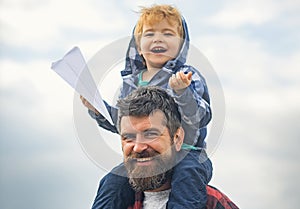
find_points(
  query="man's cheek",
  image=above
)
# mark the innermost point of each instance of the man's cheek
(126, 148)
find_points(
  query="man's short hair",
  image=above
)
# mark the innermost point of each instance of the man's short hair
(145, 101)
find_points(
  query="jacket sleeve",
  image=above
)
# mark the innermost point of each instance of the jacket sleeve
(103, 122)
(194, 102)
(194, 106)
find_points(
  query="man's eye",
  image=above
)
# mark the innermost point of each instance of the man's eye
(151, 134)
(128, 137)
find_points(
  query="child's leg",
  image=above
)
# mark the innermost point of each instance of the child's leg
(190, 177)
(114, 191)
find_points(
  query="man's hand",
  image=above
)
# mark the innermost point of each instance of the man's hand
(180, 81)
(88, 105)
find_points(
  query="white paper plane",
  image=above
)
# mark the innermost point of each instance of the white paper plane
(74, 70)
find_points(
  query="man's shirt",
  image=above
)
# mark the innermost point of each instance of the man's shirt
(215, 200)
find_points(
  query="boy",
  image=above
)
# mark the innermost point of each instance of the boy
(156, 57)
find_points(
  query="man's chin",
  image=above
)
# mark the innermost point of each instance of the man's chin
(143, 178)
(150, 172)
(149, 183)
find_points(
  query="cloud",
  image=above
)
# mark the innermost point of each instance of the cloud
(257, 157)
(41, 159)
(249, 61)
(30, 89)
(39, 166)
(260, 138)
(242, 13)
(42, 25)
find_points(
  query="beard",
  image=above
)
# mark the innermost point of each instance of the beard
(150, 183)
(153, 176)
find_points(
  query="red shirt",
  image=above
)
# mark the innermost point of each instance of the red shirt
(215, 200)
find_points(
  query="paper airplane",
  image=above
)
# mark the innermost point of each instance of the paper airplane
(74, 70)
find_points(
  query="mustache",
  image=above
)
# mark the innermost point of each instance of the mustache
(144, 154)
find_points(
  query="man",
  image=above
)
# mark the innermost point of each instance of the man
(150, 127)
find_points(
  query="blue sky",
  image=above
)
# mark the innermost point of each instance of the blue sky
(253, 47)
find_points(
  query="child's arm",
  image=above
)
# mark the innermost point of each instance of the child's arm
(100, 119)
(189, 180)
(191, 94)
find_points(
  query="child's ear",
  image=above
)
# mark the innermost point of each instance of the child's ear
(139, 51)
(138, 48)
(178, 138)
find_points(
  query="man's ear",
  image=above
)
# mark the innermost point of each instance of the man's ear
(178, 138)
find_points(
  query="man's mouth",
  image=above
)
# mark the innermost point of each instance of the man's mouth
(158, 50)
(145, 159)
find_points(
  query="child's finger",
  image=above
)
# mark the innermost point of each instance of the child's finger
(180, 76)
(172, 80)
(177, 79)
(189, 76)
(185, 77)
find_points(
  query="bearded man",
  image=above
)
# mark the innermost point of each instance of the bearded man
(151, 135)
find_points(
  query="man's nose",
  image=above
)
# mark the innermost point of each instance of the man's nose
(139, 147)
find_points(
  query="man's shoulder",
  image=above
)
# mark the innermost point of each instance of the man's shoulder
(218, 200)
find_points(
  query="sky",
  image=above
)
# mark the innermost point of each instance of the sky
(252, 46)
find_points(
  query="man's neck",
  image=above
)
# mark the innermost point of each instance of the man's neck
(165, 186)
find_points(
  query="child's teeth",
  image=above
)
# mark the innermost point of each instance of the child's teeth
(158, 50)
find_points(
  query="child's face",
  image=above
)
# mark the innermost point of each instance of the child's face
(159, 43)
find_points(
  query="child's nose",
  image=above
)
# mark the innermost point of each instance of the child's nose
(158, 37)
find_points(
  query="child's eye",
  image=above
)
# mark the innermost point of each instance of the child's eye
(148, 34)
(168, 34)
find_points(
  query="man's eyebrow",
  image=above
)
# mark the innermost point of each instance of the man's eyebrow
(151, 129)
(145, 130)
(126, 133)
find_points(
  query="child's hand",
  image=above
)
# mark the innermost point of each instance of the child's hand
(88, 105)
(180, 81)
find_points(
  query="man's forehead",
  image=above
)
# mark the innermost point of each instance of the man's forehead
(156, 119)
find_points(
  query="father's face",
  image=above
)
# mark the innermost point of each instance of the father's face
(149, 151)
